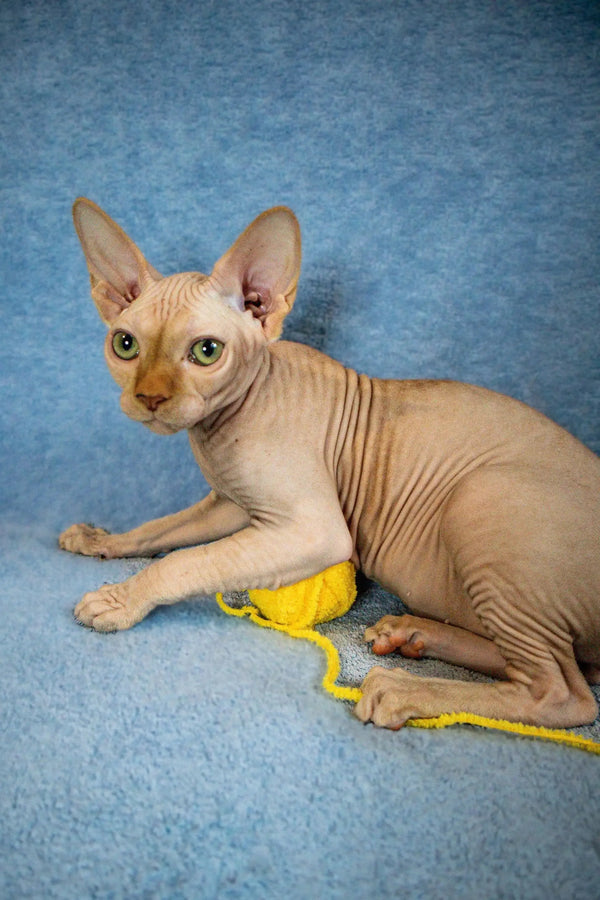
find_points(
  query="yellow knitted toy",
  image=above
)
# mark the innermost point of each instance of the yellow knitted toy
(321, 598)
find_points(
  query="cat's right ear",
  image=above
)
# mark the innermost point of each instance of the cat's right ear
(118, 269)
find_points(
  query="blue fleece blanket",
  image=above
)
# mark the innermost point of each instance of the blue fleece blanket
(442, 159)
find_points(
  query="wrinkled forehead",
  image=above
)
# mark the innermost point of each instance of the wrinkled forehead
(173, 294)
(187, 300)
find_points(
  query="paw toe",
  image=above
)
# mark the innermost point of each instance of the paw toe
(390, 711)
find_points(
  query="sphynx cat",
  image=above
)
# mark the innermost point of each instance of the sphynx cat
(480, 513)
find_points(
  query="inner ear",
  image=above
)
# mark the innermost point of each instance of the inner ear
(256, 303)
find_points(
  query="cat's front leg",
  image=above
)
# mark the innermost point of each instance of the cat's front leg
(212, 518)
(263, 556)
(91, 541)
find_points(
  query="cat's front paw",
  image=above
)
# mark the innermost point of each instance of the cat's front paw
(89, 541)
(114, 607)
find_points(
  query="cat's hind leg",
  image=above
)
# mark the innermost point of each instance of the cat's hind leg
(543, 684)
(522, 579)
(417, 638)
(555, 696)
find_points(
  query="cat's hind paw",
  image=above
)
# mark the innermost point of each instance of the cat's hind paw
(89, 541)
(390, 697)
(404, 633)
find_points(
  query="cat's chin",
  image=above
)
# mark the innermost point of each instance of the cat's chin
(161, 427)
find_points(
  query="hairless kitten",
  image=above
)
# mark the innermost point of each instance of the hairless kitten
(480, 513)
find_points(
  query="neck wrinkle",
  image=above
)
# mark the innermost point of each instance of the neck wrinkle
(214, 421)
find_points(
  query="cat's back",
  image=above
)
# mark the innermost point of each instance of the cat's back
(384, 419)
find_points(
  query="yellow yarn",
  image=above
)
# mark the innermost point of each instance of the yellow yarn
(558, 735)
(320, 598)
(295, 609)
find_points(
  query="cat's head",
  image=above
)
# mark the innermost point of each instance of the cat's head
(185, 346)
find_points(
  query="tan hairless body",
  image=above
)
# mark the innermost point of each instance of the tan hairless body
(483, 515)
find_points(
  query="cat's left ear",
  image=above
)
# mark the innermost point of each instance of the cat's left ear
(118, 269)
(260, 271)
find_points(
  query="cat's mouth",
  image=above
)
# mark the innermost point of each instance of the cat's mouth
(177, 417)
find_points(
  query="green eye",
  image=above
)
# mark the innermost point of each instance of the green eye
(206, 351)
(125, 345)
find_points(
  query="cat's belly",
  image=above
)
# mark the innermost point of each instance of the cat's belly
(419, 571)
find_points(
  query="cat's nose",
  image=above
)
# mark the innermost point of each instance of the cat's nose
(151, 402)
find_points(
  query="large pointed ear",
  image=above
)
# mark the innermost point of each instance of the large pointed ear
(118, 270)
(260, 271)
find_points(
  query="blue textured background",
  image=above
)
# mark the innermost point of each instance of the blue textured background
(443, 161)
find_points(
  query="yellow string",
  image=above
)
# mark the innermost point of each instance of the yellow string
(308, 634)
(547, 734)
(443, 721)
